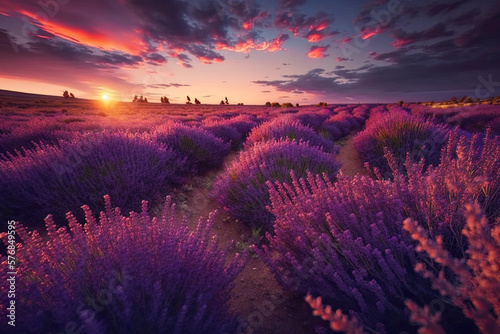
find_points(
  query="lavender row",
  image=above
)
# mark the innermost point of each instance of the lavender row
(122, 274)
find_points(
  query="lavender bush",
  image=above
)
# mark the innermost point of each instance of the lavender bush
(313, 119)
(31, 134)
(400, 133)
(344, 241)
(477, 285)
(473, 289)
(202, 149)
(241, 189)
(227, 133)
(242, 123)
(57, 180)
(287, 127)
(469, 172)
(122, 274)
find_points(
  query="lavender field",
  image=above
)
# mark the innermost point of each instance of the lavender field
(157, 218)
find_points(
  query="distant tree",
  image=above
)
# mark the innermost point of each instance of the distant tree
(453, 99)
(71, 95)
(141, 99)
(227, 102)
(297, 105)
(322, 104)
(197, 101)
(222, 102)
(275, 105)
(136, 99)
(268, 104)
(65, 94)
(400, 103)
(188, 99)
(240, 104)
(468, 100)
(287, 105)
(462, 99)
(146, 100)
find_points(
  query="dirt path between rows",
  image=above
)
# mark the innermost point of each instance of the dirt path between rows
(263, 306)
(350, 158)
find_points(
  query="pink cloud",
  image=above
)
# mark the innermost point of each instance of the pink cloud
(317, 51)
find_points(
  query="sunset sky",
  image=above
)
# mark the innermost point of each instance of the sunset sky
(299, 51)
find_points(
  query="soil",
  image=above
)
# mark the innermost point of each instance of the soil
(263, 306)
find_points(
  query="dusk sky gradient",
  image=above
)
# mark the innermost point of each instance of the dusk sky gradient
(302, 51)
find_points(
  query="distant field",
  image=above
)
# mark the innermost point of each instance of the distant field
(310, 200)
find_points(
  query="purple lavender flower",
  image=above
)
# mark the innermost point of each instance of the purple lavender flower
(56, 180)
(122, 274)
(241, 188)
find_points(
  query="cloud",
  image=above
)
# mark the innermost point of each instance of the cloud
(58, 62)
(466, 18)
(403, 38)
(155, 58)
(140, 27)
(443, 8)
(175, 85)
(438, 70)
(312, 28)
(343, 59)
(291, 3)
(318, 51)
(72, 22)
(251, 43)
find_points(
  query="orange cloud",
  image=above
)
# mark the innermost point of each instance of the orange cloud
(247, 25)
(206, 60)
(248, 45)
(323, 25)
(367, 33)
(317, 52)
(123, 41)
(315, 37)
